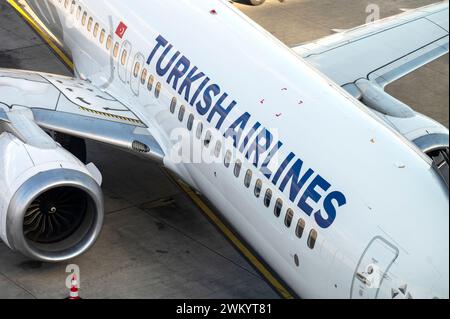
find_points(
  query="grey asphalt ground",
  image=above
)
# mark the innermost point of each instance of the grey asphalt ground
(156, 243)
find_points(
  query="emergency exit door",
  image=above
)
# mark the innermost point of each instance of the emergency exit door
(375, 262)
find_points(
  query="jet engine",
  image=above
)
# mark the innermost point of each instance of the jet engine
(51, 204)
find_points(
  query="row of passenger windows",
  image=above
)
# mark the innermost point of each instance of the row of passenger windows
(237, 170)
(278, 207)
(149, 79)
(145, 77)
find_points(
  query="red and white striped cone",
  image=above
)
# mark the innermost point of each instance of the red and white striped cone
(74, 295)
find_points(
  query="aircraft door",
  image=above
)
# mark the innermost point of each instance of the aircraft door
(372, 268)
(136, 73)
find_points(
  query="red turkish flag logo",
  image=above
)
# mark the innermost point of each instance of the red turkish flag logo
(121, 29)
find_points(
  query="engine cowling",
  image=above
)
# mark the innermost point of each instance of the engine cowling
(51, 204)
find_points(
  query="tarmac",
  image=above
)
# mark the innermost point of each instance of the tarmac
(156, 242)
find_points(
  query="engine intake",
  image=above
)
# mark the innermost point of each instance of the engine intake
(55, 215)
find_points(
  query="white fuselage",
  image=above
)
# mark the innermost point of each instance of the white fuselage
(361, 193)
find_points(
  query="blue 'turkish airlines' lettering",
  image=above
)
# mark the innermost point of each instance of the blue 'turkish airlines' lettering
(307, 188)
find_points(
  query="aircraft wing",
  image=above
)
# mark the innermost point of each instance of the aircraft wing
(382, 51)
(73, 107)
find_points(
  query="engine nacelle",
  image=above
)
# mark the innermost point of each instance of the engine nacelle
(51, 204)
(431, 137)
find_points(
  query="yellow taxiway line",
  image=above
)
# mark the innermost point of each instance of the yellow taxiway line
(282, 291)
(232, 237)
(42, 33)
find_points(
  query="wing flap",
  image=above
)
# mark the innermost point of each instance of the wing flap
(64, 94)
(125, 136)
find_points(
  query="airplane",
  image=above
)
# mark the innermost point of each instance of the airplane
(339, 187)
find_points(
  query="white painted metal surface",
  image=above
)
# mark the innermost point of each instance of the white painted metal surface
(362, 179)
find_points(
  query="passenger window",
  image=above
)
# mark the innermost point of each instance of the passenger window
(78, 15)
(66, 3)
(173, 105)
(208, 138)
(248, 178)
(102, 36)
(72, 7)
(237, 168)
(312, 238)
(199, 130)
(181, 113)
(108, 42)
(227, 160)
(144, 76)
(300, 228)
(268, 198)
(218, 148)
(258, 187)
(96, 28)
(90, 22)
(83, 20)
(278, 207)
(190, 122)
(158, 90)
(151, 79)
(288, 218)
(116, 50)
(123, 59)
(137, 68)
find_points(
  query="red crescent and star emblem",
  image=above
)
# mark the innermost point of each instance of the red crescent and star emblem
(121, 29)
